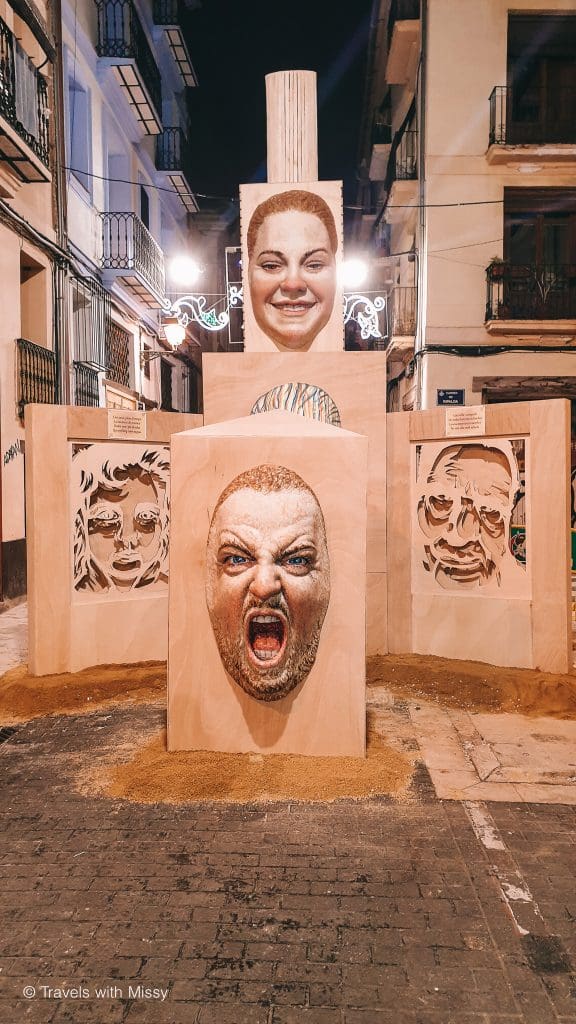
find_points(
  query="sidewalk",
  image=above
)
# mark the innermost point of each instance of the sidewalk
(421, 911)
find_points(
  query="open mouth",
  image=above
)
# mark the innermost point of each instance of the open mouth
(126, 562)
(266, 635)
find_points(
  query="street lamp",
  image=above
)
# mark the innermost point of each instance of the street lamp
(175, 334)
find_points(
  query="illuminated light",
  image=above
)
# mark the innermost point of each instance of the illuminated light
(184, 270)
(354, 272)
(174, 331)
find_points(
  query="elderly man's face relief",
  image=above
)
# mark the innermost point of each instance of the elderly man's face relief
(465, 513)
(292, 276)
(268, 587)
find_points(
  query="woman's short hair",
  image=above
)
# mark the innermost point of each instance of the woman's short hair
(294, 199)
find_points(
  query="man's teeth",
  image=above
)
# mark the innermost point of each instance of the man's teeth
(265, 655)
(265, 618)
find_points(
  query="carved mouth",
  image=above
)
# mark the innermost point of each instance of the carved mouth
(127, 562)
(266, 636)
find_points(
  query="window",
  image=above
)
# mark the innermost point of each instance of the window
(541, 78)
(144, 206)
(540, 226)
(79, 134)
(166, 385)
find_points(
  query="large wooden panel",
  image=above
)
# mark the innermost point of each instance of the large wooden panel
(48, 547)
(79, 616)
(550, 528)
(210, 707)
(450, 504)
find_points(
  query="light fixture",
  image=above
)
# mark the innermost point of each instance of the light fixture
(354, 272)
(174, 331)
(184, 270)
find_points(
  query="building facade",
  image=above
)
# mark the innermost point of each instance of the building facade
(468, 175)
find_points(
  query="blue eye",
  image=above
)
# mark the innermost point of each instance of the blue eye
(235, 560)
(298, 560)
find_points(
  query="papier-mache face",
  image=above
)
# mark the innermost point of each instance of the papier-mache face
(267, 580)
(292, 278)
(464, 512)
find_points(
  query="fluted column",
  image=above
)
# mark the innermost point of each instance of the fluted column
(292, 129)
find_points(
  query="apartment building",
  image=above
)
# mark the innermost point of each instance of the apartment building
(468, 195)
(31, 253)
(126, 68)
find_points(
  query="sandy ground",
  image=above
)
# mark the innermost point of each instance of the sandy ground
(138, 767)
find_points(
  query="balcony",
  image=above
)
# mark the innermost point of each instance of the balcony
(528, 132)
(381, 146)
(37, 375)
(24, 140)
(403, 39)
(169, 14)
(531, 298)
(131, 255)
(403, 312)
(401, 180)
(122, 44)
(173, 157)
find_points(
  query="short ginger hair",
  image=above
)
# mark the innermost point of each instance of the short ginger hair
(294, 199)
(266, 479)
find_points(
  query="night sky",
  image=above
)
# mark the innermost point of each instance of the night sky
(234, 45)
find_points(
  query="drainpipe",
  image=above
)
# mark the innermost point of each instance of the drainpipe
(61, 320)
(422, 248)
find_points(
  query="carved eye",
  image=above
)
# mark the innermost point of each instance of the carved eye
(492, 521)
(439, 506)
(104, 519)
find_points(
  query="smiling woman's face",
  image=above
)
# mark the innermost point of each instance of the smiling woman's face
(292, 278)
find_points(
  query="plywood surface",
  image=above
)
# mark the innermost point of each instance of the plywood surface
(207, 708)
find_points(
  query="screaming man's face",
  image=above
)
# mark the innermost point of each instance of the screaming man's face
(465, 515)
(268, 587)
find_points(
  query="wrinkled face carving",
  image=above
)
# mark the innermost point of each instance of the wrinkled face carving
(124, 529)
(465, 514)
(267, 587)
(292, 278)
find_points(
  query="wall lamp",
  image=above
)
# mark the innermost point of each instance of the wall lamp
(175, 334)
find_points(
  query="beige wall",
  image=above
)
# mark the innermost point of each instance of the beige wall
(466, 60)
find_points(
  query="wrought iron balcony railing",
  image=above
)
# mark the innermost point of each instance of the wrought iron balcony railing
(403, 311)
(23, 100)
(531, 291)
(513, 122)
(128, 246)
(86, 390)
(173, 150)
(168, 12)
(37, 372)
(121, 36)
(406, 157)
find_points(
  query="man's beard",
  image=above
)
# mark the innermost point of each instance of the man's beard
(274, 683)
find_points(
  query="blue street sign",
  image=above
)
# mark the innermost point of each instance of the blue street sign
(450, 396)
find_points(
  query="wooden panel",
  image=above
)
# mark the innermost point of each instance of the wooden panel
(92, 424)
(355, 381)
(501, 421)
(48, 544)
(496, 631)
(399, 540)
(550, 532)
(376, 613)
(208, 709)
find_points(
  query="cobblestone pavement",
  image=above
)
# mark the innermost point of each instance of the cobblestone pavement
(368, 912)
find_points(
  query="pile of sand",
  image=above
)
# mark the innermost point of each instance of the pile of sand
(473, 686)
(23, 697)
(152, 775)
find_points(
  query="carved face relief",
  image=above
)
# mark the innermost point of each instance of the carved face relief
(121, 518)
(292, 278)
(464, 512)
(267, 586)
